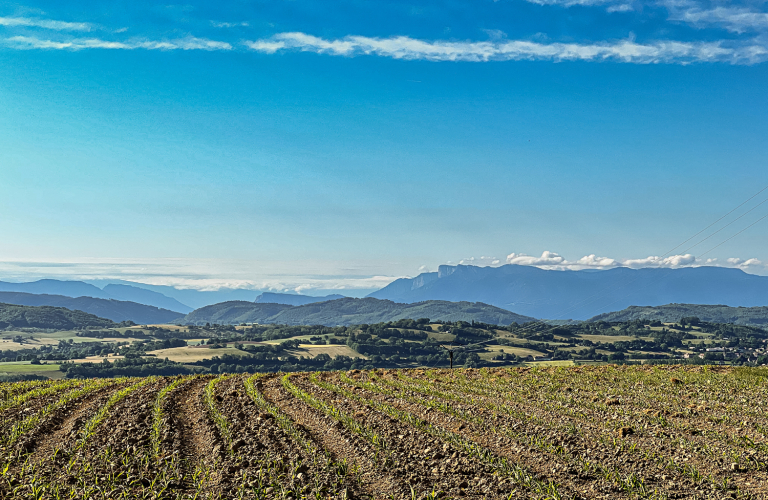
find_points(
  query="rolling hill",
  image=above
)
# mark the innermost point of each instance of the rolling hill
(292, 299)
(579, 294)
(750, 316)
(349, 311)
(115, 310)
(54, 318)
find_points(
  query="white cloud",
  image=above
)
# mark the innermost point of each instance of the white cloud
(401, 47)
(752, 262)
(44, 23)
(741, 263)
(552, 260)
(583, 3)
(738, 20)
(555, 261)
(269, 47)
(653, 261)
(628, 51)
(622, 7)
(735, 18)
(593, 261)
(218, 24)
(482, 261)
(547, 259)
(189, 43)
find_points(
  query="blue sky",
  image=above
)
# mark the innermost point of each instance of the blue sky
(336, 145)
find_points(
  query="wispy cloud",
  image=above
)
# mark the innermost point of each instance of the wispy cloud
(628, 51)
(220, 24)
(44, 23)
(732, 18)
(611, 5)
(697, 13)
(498, 48)
(189, 43)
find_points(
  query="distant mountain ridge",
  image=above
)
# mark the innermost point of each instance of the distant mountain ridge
(190, 297)
(56, 287)
(114, 310)
(349, 311)
(291, 299)
(143, 296)
(749, 316)
(159, 296)
(579, 295)
(75, 289)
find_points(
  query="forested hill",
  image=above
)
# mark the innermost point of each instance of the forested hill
(752, 316)
(291, 299)
(348, 311)
(53, 318)
(115, 310)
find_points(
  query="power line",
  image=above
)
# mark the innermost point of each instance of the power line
(593, 297)
(718, 220)
(728, 239)
(669, 272)
(725, 226)
(534, 325)
(597, 295)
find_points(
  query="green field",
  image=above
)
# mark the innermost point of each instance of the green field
(24, 367)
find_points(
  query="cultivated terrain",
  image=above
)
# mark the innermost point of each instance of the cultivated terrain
(586, 432)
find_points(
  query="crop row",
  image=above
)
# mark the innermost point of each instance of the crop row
(382, 434)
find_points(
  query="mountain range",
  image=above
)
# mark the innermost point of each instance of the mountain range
(523, 290)
(178, 300)
(579, 295)
(111, 291)
(349, 311)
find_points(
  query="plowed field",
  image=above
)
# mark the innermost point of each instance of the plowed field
(582, 432)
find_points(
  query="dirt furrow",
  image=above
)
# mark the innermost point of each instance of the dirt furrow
(646, 450)
(128, 425)
(263, 457)
(31, 406)
(194, 436)
(67, 419)
(423, 461)
(60, 434)
(334, 438)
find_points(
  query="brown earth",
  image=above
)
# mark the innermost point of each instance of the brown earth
(582, 432)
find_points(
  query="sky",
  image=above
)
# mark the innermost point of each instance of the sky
(335, 146)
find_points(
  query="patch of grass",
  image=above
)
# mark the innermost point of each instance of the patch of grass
(609, 339)
(191, 354)
(26, 367)
(566, 362)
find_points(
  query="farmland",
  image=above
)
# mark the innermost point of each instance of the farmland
(543, 432)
